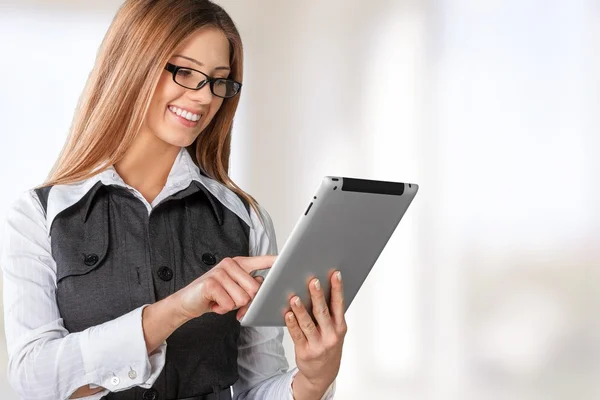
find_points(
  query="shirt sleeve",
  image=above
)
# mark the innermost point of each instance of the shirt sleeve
(262, 365)
(45, 361)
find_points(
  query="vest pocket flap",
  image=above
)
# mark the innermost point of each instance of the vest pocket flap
(83, 245)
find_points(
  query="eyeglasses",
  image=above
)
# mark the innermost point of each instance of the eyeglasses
(193, 79)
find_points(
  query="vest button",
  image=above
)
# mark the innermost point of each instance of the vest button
(90, 259)
(165, 273)
(208, 259)
(150, 394)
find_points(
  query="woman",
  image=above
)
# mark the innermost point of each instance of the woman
(126, 272)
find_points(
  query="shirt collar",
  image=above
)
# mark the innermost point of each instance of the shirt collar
(183, 172)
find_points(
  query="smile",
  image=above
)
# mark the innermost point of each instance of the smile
(186, 118)
(185, 114)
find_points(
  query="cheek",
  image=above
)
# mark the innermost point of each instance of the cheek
(214, 108)
(164, 94)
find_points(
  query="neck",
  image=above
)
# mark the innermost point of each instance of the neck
(146, 164)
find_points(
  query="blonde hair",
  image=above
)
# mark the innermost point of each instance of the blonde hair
(140, 40)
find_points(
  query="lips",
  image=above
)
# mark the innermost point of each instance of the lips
(187, 119)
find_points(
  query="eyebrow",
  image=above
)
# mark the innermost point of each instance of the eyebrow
(202, 65)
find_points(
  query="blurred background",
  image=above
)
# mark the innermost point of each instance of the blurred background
(490, 286)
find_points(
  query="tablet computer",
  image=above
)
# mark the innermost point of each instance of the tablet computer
(345, 227)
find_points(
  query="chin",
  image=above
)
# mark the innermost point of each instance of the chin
(178, 140)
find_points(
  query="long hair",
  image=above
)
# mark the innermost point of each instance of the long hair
(141, 38)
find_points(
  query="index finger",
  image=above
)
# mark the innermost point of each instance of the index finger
(255, 263)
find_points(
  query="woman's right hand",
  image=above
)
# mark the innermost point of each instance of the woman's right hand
(226, 287)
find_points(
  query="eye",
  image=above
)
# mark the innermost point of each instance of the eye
(184, 72)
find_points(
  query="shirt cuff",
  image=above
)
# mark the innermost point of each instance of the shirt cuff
(327, 396)
(115, 356)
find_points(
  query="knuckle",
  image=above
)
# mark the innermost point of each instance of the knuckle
(230, 305)
(253, 289)
(309, 327)
(318, 352)
(224, 275)
(296, 336)
(226, 261)
(339, 302)
(210, 283)
(331, 342)
(253, 292)
(323, 311)
(221, 276)
(244, 300)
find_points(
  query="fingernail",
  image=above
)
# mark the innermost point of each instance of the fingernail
(317, 284)
(339, 276)
(290, 316)
(297, 301)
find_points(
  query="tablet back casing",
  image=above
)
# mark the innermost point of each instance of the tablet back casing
(345, 227)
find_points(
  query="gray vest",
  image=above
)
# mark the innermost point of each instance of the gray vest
(111, 258)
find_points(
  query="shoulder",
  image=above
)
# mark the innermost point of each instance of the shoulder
(261, 220)
(26, 205)
(24, 228)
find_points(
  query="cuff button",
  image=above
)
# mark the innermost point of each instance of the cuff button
(132, 374)
(115, 381)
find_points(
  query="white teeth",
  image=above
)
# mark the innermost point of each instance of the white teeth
(185, 114)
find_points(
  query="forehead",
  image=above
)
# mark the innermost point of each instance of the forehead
(208, 45)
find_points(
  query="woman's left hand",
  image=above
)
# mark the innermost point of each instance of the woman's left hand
(318, 344)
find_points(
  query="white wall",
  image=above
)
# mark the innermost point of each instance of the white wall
(490, 286)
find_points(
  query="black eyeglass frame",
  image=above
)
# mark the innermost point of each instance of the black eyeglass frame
(210, 80)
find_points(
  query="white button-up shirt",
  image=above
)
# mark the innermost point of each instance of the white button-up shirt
(48, 362)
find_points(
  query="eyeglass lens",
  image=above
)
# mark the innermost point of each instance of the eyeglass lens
(192, 79)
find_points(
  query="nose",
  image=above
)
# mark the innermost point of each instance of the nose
(203, 95)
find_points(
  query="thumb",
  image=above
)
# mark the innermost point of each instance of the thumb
(242, 311)
(250, 264)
